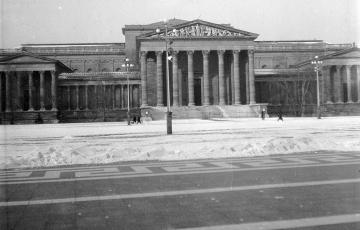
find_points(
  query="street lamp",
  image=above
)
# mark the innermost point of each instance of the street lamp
(127, 64)
(316, 62)
(168, 50)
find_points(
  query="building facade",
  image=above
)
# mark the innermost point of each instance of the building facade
(215, 70)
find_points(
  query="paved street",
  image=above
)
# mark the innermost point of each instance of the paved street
(299, 191)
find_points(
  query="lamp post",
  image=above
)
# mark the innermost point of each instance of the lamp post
(127, 64)
(316, 62)
(168, 42)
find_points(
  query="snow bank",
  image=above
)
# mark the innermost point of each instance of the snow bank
(97, 143)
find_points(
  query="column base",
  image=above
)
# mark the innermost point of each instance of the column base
(206, 104)
(144, 105)
(160, 105)
(329, 102)
(191, 104)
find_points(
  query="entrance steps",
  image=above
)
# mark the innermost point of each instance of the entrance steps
(205, 112)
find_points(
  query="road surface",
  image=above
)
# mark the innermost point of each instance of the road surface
(300, 191)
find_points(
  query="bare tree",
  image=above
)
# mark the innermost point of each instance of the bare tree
(297, 92)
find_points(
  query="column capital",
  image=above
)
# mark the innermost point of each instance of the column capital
(348, 67)
(143, 53)
(205, 52)
(251, 51)
(175, 53)
(190, 52)
(159, 53)
(325, 67)
(220, 52)
(338, 67)
(236, 51)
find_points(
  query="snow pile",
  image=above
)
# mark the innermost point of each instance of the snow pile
(98, 143)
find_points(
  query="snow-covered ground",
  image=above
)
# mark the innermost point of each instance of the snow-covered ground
(85, 143)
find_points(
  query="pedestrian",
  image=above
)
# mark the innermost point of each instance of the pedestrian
(138, 120)
(280, 115)
(263, 113)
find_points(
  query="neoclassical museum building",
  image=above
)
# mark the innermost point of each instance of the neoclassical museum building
(215, 70)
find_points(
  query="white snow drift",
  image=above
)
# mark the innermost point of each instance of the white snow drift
(96, 143)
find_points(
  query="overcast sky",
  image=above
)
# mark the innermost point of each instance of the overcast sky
(83, 21)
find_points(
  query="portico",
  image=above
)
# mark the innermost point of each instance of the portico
(211, 65)
(28, 88)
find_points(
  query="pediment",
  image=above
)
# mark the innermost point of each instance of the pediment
(25, 58)
(202, 29)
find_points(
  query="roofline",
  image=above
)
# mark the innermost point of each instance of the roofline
(323, 57)
(285, 41)
(24, 53)
(72, 44)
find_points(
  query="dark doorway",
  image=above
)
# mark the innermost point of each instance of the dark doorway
(197, 91)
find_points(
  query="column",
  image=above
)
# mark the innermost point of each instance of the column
(348, 80)
(159, 79)
(175, 79)
(131, 95)
(247, 81)
(190, 77)
(30, 78)
(286, 92)
(42, 90)
(358, 82)
(7, 92)
(69, 97)
(143, 78)
(251, 77)
(18, 91)
(221, 77)
(77, 97)
(236, 77)
(337, 84)
(86, 97)
(327, 84)
(206, 77)
(121, 96)
(1, 106)
(53, 91)
(180, 77)
(113, 96)
(96, 96)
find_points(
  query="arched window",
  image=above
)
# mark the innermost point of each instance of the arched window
(75, 70)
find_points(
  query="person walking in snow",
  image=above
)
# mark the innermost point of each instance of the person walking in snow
(280, 115)
(263, 114)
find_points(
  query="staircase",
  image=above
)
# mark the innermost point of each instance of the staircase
(205, 112)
